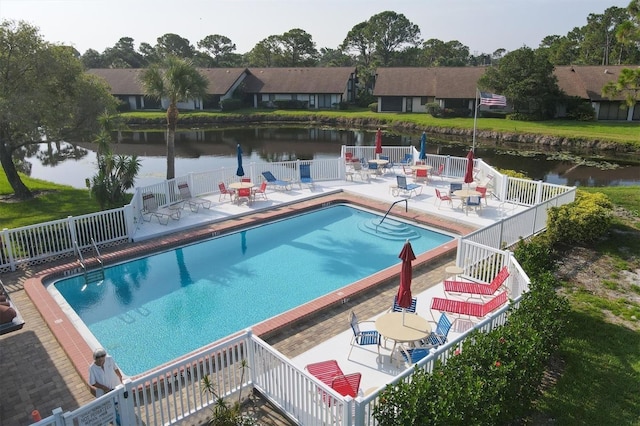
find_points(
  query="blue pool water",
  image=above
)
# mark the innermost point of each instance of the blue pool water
(154, 309)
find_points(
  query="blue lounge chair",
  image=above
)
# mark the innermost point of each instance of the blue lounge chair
(407, 188)
(271, 179)
(305, 175)
(389, 166)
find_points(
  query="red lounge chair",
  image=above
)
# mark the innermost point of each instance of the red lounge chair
(477, 288)
(325, 371)
(347, 384)
(471, 309)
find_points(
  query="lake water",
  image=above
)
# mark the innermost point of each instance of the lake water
(203, 150)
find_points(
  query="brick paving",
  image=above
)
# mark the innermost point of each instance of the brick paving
(36, 372)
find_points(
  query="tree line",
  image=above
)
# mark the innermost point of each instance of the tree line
(387, 39)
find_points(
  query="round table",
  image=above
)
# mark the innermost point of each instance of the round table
(410, 329)
(379, 162)
(464, 193)
(421, 167)
(239, 185)
(453, 270)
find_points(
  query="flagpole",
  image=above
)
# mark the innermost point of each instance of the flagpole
(475, 121)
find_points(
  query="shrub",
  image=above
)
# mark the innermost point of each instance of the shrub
(373, 107)
(534, 255)
(581, 222)
(291, 104)
(433, 108)
(521, 116)
(365, 99)
(230, 104)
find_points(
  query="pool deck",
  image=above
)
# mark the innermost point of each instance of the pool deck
(44, 365)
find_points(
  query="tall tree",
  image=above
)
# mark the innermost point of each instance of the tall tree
(218, 47)
(123, 55)
(391, 32)
(45, 96)
(526, 78)
(266, 52)
(173, 45)
(298, 49)
(174, 79)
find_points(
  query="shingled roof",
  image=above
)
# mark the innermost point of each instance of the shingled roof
(586, 81)
(298, 80)
(441, 82)
(126, 81)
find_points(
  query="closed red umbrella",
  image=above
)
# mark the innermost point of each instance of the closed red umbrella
(468, 176)
(378, 143)
(406, 272)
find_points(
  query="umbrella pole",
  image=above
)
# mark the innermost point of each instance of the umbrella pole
(404, 310)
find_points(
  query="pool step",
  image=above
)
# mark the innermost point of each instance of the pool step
(389, 229)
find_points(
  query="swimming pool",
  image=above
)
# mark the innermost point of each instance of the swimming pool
(151, 310)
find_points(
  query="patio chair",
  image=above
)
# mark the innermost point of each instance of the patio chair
(347, 384)
(261, 191)
(389, 166)
(407, 160)
(10, 318)
(374, 169)
(281, 184)
(408, 171)
(440, 198)
(474, 202)
(422, 175)
(194, 203)
(454, 187)
(413, 355)
(398, 308)
(325, 371)
(440, 335)
(470, 309)
(483, 193)
(405, 188)
(358, 170)
(465, 287)
(305, 175)
(362, 337)
(244, 194)
(348, 158)
(245, 179)
(439, 172)
(151, 209)
(225, 191)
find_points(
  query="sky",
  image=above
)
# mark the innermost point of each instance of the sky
(482, 25)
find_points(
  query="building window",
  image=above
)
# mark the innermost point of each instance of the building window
(423, 100)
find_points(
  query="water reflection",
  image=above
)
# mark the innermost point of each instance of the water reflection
(202, 150)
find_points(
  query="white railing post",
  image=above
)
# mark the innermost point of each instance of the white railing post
(251, 356)
(447, 165)
(504, 190)
(126, 408)
(538, 193)
(8, 250)
(72, 231)
(130, 221)
(57, 414)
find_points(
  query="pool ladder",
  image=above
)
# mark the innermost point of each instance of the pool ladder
(93, 275)
(406, 209)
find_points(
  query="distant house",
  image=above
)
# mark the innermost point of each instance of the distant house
(319, 88)
(126, 85)
(316, 87)
(586, 82)
(410, 89)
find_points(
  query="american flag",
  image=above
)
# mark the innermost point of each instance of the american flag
(492, 99)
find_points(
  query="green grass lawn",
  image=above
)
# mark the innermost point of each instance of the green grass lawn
(625, 133)
(52, 203)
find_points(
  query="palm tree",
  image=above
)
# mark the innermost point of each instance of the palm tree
(177, 80)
